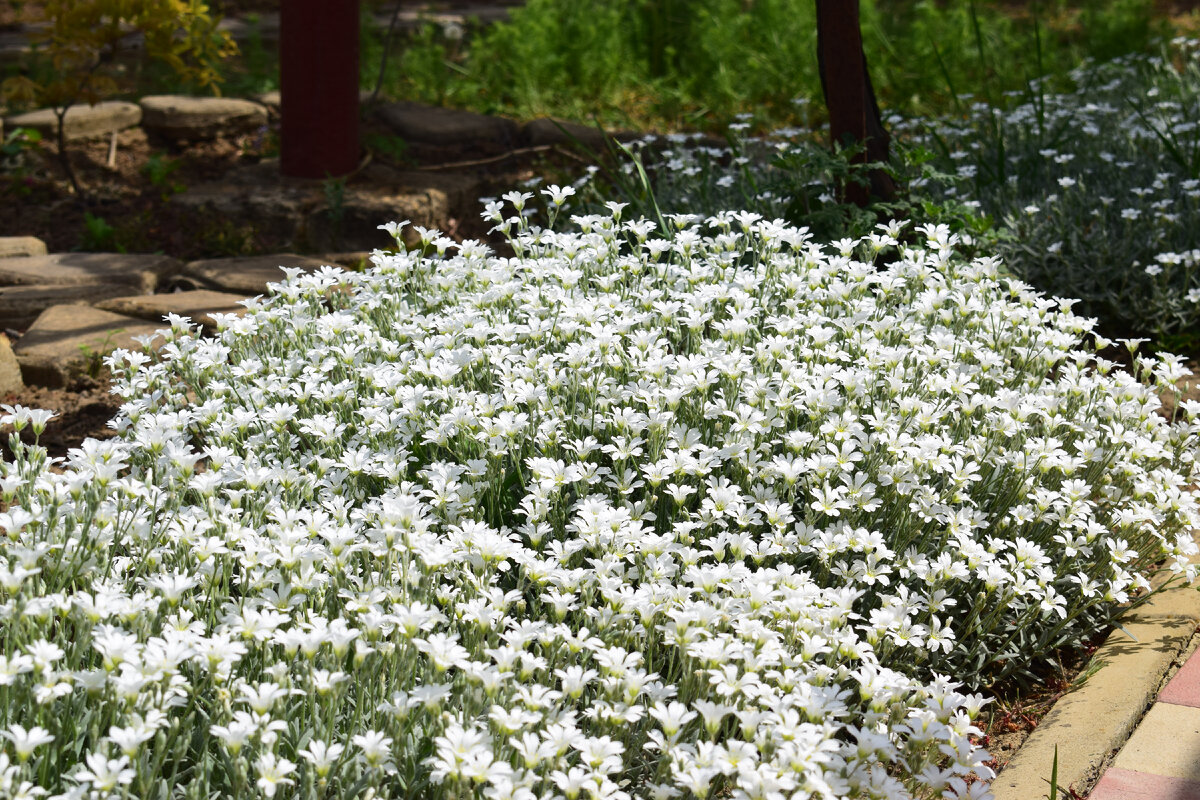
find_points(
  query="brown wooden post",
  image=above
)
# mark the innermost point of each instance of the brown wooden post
(849, 96)
(318, 81)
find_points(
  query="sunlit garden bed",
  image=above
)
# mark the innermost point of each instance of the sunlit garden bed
(727, 513)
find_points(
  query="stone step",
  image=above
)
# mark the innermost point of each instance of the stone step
(143, 272)
(65, 343)
(246, 275)
(180, 118)
(81, 121)
(21, 305)
(433, 125)
(21, 246)
(10, 371)
(198, 305)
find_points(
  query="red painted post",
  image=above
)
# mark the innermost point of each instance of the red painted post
(318, 77)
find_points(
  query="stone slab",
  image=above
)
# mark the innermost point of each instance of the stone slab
(353, 260)
(10, 370)
(248, 275)
(1184, 688)
(197, 305)
(428, 199)
(354, 224)
(1092, 722)
(274, 212)
(1123, 784)
(21, 305)
(1166, 742)
(433, 125)
(21, 247)
(59, 347)
(81, 121)
(547, 131)
(183, 118)
(141, 271)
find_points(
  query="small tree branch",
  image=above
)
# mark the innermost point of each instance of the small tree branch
(383, 58)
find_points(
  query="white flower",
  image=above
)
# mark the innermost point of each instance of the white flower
(26, 741)
(272, 773)
(322, 755)
(105, 774)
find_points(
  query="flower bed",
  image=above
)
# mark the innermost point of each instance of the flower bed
(1099, 188)
(721, 514)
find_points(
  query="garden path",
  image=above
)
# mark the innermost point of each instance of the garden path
(1161, 760)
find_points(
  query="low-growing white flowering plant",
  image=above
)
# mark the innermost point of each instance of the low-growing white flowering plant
(724, 514)
(1098, 187)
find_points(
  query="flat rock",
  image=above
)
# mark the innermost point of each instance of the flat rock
(140, 271)
(65, 343)
(355, 222)
(21, 305)
(248, 275)
(432, 125)
(270, 101)
(353, 260)
(182, 118)
(547, 131)
(274, 212)
(198, 305)
(82, 121)
(21, 246)
(432, 200)
(10, 370)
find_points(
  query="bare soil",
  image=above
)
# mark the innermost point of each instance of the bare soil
(126, 205)
(83, 413)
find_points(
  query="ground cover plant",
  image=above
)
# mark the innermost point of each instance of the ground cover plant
(1092, 194)
(706, 511)
(1098, 188)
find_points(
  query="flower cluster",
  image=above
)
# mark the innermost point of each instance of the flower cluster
(727, 513)
(1099, 187)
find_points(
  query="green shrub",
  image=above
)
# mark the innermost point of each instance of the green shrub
(698, 64)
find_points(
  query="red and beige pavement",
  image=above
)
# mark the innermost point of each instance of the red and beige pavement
(1132, 730)
(1161, 760)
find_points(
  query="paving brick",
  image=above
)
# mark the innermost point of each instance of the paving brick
(1184, 688)
(1166, 742)
(1124, 784)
